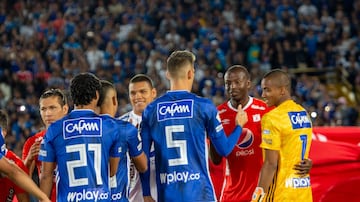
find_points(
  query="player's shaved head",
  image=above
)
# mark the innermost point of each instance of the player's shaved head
(279, 78)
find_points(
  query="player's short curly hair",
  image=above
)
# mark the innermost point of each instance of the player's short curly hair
(83, 88)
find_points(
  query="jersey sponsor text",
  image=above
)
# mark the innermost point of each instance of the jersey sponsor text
(175, 110)
(82, 127)
(185, 176)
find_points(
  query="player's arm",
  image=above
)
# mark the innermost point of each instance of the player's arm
(303, 167)
(140, 162)
(267, 173)
(136, 151)
(23, 197)
(146, 143)
(114, 164)
(224, 145)
(214, 156)
(46, 177)
(30, 156)
(21, 179)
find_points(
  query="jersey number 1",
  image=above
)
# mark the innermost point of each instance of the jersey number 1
(82, 162)
(303, 139)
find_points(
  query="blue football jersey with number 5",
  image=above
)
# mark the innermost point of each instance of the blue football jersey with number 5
(81, 144)
(178, 123)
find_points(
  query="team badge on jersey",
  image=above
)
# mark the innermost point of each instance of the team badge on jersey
(175, 110)
(82, 127)
(299, 120)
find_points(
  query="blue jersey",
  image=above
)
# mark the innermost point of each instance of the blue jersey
(81, 144)
(178, 124)
(2, 145)
(133, 148)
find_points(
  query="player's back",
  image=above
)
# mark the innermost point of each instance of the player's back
(82, 143)
(178, 123)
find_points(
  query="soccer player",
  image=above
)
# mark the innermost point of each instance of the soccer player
(286, 138)
(120, 182)
(178, 123)
(141, 93)
(244, 162)
(242, 165)
(8, 189)
(53, 106)
(16, 175)
(84, 145)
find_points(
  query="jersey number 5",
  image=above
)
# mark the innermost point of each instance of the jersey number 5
(181, 144)
(82, 162)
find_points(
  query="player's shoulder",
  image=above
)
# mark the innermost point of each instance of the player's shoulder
(125, 117)
(258, 101)
(33, 138)
(223, 105)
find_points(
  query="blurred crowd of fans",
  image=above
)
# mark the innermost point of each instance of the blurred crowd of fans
(43, 44)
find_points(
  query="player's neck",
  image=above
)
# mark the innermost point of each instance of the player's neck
(180, 85)
(243, 102)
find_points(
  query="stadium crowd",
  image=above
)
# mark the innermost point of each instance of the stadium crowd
(43, 44)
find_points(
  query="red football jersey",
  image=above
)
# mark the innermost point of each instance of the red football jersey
(244, 163)
(8, 189)
(26, 149)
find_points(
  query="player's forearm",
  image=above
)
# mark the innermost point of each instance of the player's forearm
(145, 181)
(23, 197)
(46, 182)
(266, 175)
(224, 145)
(25, 182)
(114, 164)
(214, 156)
(140, 162)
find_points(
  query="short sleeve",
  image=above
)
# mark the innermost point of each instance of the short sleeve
(270, 133)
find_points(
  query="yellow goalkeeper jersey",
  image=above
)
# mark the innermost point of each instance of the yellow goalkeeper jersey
(288, 129)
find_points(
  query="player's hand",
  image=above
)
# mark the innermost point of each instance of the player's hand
(258, 195)
(303, 168)
(241, 117)
(34, 151)
(148, 199)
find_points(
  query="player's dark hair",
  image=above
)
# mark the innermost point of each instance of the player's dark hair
(239, 68)
(178, 59)
(83, 88)
(142, 77)
(4, 120)
(105, 87)
(55, 92)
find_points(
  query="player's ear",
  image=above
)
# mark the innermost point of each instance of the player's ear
(167, 75)
(153, 92)
(190, 73)
(114, 100)
(65, 109)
